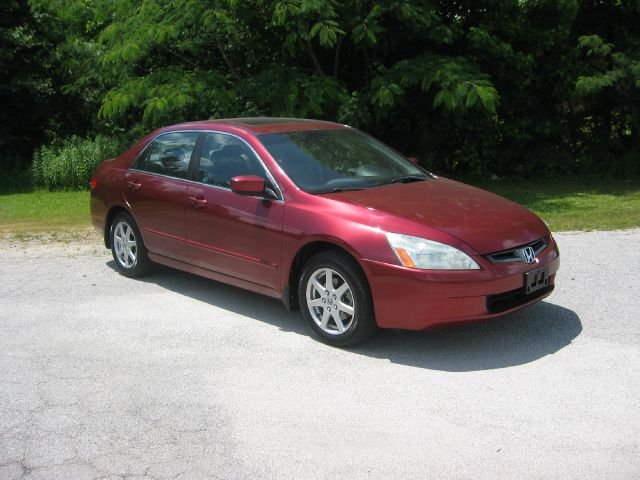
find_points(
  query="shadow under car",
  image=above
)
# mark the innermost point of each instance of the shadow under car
(515, 339)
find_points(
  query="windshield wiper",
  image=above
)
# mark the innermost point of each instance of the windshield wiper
(405, 179)
(337, 190)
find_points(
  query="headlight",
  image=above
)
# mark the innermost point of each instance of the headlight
(425, 254)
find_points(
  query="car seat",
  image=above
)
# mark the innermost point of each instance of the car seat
(228, 162)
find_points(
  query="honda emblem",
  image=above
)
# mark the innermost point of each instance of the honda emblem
(528, 254)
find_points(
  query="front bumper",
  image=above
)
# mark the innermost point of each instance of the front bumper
(424, 299)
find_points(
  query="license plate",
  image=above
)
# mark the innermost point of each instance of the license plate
(536, 279)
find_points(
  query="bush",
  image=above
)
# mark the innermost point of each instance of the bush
(71, 162)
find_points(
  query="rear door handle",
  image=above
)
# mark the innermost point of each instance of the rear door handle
(133, 186)
(198, 202)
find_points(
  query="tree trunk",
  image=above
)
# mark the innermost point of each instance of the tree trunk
(314, 57)
(336, 58)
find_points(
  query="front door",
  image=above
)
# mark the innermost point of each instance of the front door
(229, 233)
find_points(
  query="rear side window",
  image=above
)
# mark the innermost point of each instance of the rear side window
(169, 154)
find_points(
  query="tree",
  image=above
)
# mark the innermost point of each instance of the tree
(37, 104)
(510, 87)
(609, 84)
(25, 88)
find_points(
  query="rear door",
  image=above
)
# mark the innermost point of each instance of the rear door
(155, 189)
(229, 233)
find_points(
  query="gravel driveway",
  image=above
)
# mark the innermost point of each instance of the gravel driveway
(176, 376)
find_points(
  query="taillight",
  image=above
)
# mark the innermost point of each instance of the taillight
(93, 183)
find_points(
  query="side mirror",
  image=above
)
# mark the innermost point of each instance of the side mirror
(413, 160)
(250, 185)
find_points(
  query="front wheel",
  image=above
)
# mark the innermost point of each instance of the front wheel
(127, 248)
(335, 299)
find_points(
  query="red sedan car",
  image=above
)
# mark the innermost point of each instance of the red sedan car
(324, 217)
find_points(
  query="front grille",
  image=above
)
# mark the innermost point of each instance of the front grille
(501, 302)
(515, 254)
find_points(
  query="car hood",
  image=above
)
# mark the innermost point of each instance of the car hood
(484, 221)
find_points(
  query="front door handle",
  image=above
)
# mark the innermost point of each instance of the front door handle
(133, 186)
(198, 202)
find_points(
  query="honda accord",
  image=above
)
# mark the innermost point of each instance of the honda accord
(326, 218)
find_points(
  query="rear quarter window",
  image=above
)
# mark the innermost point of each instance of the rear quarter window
(168, 154)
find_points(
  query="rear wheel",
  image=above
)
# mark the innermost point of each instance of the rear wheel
(335, 299)
(127, 248)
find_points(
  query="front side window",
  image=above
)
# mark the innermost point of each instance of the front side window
(322, 161)
(224, 157)
(169, 154)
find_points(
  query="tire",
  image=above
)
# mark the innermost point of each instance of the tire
(130, 255)
(341, 315)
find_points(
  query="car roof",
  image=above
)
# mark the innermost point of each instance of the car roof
(259, 125)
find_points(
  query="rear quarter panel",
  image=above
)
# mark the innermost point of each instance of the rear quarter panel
(106, 193)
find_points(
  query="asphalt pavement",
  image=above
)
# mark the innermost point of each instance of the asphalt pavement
(176, 376)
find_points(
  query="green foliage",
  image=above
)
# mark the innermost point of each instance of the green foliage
(613, 68)
(26, 65)
(71, 163)
(14, 179)
(471, 87)
(611, 91)
(157, 56)
(458, 85)
(308, 20)
(165, 94)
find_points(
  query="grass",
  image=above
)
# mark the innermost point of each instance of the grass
(42, 211)
(576, 204)
(565, 204)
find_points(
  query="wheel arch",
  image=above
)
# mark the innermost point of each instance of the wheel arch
(304, 253)
(111, 214)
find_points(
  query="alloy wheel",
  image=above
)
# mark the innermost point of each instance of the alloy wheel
(330, 301)
(126, 246)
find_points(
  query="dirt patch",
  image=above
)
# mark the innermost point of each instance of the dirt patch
(68, 242)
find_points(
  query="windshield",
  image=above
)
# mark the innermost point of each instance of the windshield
(323, 161)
